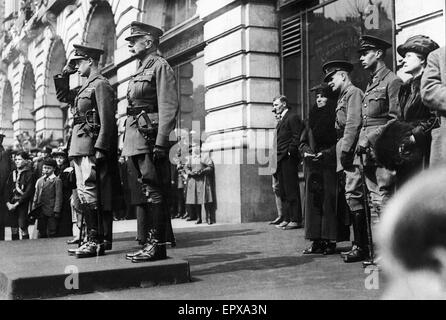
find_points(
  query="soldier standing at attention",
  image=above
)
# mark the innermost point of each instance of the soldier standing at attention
(151, 117)
(379, 106)
(348, 125)
(93, 147)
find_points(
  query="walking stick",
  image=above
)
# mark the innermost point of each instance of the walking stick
(368, 216)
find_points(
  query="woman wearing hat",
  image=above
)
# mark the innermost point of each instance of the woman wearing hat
(318, 147)
(405, 145)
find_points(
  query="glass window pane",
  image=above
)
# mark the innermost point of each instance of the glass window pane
(334, 30)
(191, 80)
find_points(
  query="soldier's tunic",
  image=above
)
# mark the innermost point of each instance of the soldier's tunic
(348, 125)
(379, 106)
(153, 90)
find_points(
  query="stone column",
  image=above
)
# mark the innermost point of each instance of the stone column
(242, 77)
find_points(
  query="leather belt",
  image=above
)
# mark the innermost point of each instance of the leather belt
(370, 122)
(134, 111)
(79, 120)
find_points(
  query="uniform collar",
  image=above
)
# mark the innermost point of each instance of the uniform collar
(343, 92)
(143, 63)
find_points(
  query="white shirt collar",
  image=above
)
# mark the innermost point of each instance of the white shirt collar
(283, 113)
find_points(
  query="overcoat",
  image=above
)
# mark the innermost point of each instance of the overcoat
(433, 94)
(199, 188)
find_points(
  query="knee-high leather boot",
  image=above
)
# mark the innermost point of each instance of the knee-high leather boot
(155, 248)
(359, 250)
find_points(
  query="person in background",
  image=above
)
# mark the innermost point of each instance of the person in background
(199, 169)
(20, 194)
(66, 174)
(289, 131)
(6, 166)
(318, 149)
(48, 196)
(275, 181)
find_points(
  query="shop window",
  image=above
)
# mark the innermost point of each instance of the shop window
(179, 11)
(333, 32)
(190, 77)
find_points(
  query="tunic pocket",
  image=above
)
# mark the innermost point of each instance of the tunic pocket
(141, 85)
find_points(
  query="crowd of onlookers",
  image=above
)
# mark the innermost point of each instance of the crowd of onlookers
(39, 188)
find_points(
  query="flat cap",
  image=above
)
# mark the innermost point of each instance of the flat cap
(138, 29)
(84, 52)
(331, 67)
(50, 162)
(419, 44)
(367, 42)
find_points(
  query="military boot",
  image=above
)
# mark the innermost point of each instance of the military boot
(359, 251)
(92, 248)
(155, 248)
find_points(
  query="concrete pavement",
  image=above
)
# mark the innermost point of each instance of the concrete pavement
(252, 261)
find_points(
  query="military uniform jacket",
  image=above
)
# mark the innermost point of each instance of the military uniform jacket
(348, 121)
(153, 88)
(433, 94)
(98, 94)
(379, 106)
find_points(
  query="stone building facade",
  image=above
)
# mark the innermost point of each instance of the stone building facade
(231, 57)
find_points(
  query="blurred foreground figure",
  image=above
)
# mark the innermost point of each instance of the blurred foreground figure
(411, 239)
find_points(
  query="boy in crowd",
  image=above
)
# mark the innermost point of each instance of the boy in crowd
(48, 196)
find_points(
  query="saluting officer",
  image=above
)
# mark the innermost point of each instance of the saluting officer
(151, 117)
(348, 125)
(93, 147)
(379, 106)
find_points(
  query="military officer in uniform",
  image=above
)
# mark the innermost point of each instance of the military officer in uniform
(379, 106)
(93, 148)
(151, 117)
(348, 125)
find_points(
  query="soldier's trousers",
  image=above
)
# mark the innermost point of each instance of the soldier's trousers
(353, 189)
(381, 184)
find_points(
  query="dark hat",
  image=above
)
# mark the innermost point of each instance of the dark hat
(138, 29)
(419, 44)
(84, 52)
(58, 152)
(331, 67)
(35, 150)
(322, 89)
(50, 162)
(367, 42)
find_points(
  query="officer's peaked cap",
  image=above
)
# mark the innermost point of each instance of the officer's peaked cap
(84, 52)
(419, 44)
(367, 42)
(331, 67)
(138, 29)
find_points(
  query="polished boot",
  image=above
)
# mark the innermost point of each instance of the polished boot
(359, 251)
(92, 248)
(155, 249)
(107, 225)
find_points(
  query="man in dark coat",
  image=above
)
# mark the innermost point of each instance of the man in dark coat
(93, 147)
(6, 166)
(289, 131)
(151, 117)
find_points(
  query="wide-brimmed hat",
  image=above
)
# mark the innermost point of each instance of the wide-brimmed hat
(419, 44)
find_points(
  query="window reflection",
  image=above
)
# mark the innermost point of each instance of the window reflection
(178, 11)
(334, 30)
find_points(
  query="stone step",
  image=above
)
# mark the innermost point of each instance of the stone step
(35, 269)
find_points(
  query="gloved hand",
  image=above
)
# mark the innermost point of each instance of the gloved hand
(159, 153)
(347, 159)
(69, 69)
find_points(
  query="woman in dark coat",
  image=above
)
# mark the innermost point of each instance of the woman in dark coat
(66, 174)
(318, 149)
(405, 145)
